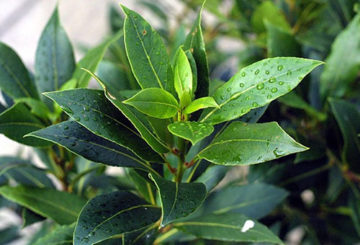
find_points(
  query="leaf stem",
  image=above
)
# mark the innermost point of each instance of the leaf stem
(196, 165)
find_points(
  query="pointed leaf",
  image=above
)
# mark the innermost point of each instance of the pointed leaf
(29, 217)
(154, 102)
(201, 103)
(257, 85)
(228, 227)
(244, 144)
(61, 235)
(253, 200)
(38, 108)
(17, 121)
(348, 119)
(62, 207)
(79, 140)
(178, 200)
(136, 118)
(339, 72)
(195, 44)
(183, 78)
(14, 77)
(192, 131)
(113, 214)
(146, 52)
(54, 63)
(92, 110)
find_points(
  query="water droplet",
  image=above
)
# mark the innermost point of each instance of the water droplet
(274, 90)
(272, 80)
(257, 71)
(254, 104)
(280, 67)
(86, 118)
(278, 153)
(86, 108)
(269, 96)
(243, 74)
(260, 86)
(228, 89)
(289, 73)
(281, 83)
(267, 72)
(241, 85)
(300, 78)
(243, 110)
(222, 97)
(67, 109)
(77, 118)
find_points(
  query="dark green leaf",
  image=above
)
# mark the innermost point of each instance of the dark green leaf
(90, 61)
(9, 234)
(91, 109)
(348, 119)
(146, 52)
(178, 200)
(145, 236)
(2, 108)
(154, 102)
(212, 176)
(37, 107)
(244, 144)
(17, 121)
(201, 103)
(115, 19)
(354, 204)
(54, 63)
(195, 44)
(79, 140)
(228, 227)
(143, 185)
(61, 235)
(113, 74)
(113, 214)
(257, 85)
(192, 131)
(14, 77)
(136, 118)
(340, 72)
(253, 200)
(62, 207)
(29, 217)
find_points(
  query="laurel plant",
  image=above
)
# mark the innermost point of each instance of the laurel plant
(174, 140)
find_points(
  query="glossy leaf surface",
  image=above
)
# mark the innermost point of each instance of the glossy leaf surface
(244, 144)
(228, 227)
(178, 200)
(154, 102)
(183, 78)
(212, 176)
(61, 235)
(192, 131)
(257, 85)
(62, 207)
(91, 109)
(113, 214)
(14, 77)
(201, 103)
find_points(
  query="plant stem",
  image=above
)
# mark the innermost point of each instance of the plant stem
(196, 165)
(163, 237)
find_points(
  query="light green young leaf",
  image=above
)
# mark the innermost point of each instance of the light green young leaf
(228, 227)
(54, 63)
(183, 78)
(154, 102)
(245, 144)
(146, 52)
(14, 77)
(62, 207)
(37, 107)
(192, 131)
(178, 200)
(120, 212)
(201, 103)
(257, 85)
(136, 118)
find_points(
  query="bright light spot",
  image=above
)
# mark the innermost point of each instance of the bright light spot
(248, 225)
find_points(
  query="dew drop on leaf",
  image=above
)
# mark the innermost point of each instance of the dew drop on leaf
(274, 90)
(272, 80)
(281, 83)
(241, 85)
(260, 86)
(257, 71)
(243, 74)
(280, 67)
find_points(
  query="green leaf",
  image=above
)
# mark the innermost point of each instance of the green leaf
(136, 118)
(339, 72)
(14, 77)
(91, 109)
(244, 144)
(257, 85)
(29, 217)
(79, 140)
(201, 103)
(183, 78)
(61, 235)
(195, 44)
(9, 234)
(2, 108)
(267, 11)
(348, 119)
(115, 19)
(145, 236)
(54, 63)
(62, 207)
(228, 227)
(354, 204)
(154, 102)
(212, 176)
(91, 61)
(146, 52)
(113, 214)
(281, 42)
(113, 74)
(38, 108)
(18, 121)
(192, 131)
(178, 200)
(142, 184)
(253, 200)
